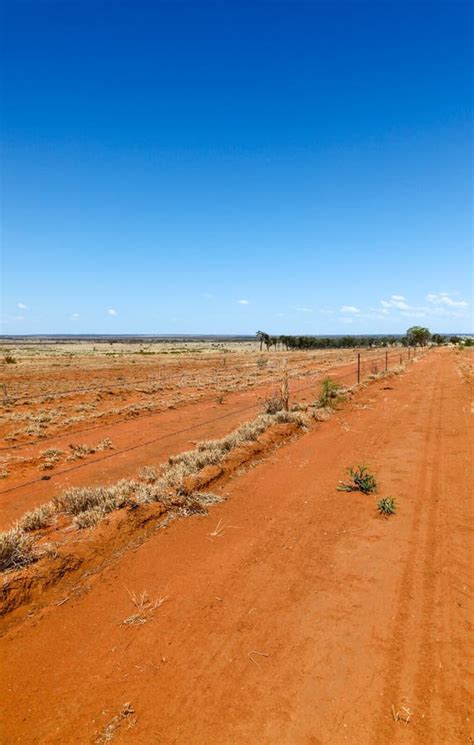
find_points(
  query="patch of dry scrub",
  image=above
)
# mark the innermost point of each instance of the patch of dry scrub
(15, 548)
(89, 505)
(38, 518)
(82, 451)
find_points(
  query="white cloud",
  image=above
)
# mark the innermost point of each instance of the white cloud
(443, 298)
(396, 301)
(414, 313)
(74, 316)
(112, 312)
(300, 309)
(22, 306)
(243, 302)
(349, 309)
(440, 305)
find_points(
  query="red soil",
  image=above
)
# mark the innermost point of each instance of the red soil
(350, 614)
(167, 431)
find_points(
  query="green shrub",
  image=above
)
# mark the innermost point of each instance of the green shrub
(387, 506)
(361, 480)
(329, 392)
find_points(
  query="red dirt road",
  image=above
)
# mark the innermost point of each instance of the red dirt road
(305, 621)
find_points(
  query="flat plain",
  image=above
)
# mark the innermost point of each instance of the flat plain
(286, 611)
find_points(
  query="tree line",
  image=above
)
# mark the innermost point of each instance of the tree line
(415, 336)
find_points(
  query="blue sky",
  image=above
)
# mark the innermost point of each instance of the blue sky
(299, 167)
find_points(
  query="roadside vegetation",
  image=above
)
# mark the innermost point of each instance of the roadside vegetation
(171, 486)
(387, 506)
(330, 393)
(360, 480)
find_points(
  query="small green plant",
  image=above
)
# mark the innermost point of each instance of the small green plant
(9, 359)
(329, 392)
(387, 506)
(361, 480)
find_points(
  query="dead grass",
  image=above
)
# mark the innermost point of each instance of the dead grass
(49, 458)
(89, 505)
(212, 452)
(79, 499)
(89, 518)
(15, 548)
(108, 733)
(52, 453)
(322, 414)
(403, 715)
(144, 608)
(272, 404)
(82, 451)
(38, 518)
(149, 474)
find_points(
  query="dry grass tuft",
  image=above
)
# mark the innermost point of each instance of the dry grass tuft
(149, 474)
(38, 518)
(85, 498)
(196, 503)
(89, 518)
(82, 451)
(322, 414)
(272, 404)
(105, 444)
(52, 453)
(108, 733)
(49, 458)
(145, 608)
(15, 549)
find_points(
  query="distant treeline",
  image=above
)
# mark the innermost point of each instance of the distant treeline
(346, 342)
(326, 342)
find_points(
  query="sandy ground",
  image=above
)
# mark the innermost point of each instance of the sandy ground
(198, 398)
(292, 613)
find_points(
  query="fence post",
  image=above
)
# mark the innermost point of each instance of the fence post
(285, 393)
(358, 367)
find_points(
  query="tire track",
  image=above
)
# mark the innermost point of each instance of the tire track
(416, 587)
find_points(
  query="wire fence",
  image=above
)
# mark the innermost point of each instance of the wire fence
(362, 368)
(347, 375)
